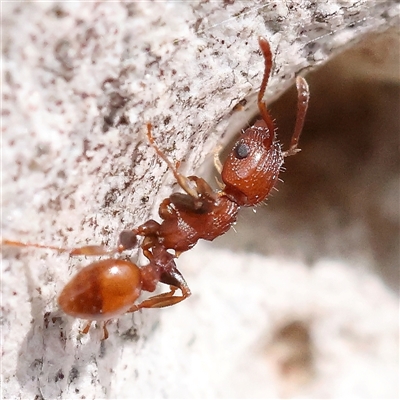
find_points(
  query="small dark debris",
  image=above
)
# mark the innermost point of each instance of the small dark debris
(167, 120)
(59, 12)
(73, 374)
(36, 363)
(131, 335)
(59, 376)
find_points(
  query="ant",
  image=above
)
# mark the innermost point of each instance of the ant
(108, 288)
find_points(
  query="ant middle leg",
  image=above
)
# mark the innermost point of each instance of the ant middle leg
(88, 324)
(85, 330)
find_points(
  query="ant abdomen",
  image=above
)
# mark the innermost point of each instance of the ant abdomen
(252, 168)
(102, 290)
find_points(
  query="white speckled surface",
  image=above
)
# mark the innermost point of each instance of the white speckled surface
(69, 177)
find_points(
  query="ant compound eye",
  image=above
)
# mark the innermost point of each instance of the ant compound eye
(241, 151)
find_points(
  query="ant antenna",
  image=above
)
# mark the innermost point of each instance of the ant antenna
(303, 97)
(266, 51)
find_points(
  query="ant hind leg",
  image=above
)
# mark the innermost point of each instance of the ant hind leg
(89, 250)
(127, 241)
(176, 281)
(161, 300)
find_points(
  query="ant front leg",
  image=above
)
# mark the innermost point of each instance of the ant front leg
(184, 182)
(303, 97)
(217, 161)
(218, 165)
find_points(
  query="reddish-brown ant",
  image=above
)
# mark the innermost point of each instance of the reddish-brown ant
(109, 288)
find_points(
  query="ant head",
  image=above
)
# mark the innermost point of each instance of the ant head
(252, 167)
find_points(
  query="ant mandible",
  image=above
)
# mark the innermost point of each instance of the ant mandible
(109, 288)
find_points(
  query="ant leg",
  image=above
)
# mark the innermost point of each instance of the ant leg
(161, 300)
(127, 240)
(91, 250)
(217, 162)
(176, 281)
(6, 242)
(105, 330)
(182, 180)
(303, 97)
(78, 251)
(218, 165)
(85, 330)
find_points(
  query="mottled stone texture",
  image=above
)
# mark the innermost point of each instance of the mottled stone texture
(79, 82)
